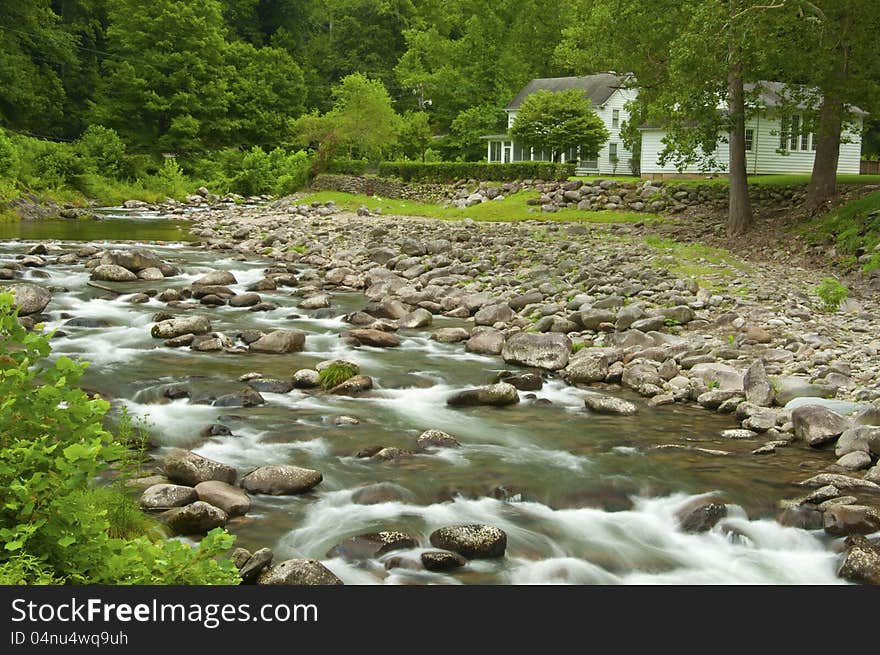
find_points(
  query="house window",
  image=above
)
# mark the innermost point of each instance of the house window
(495, 151)
(750, 139)
(615, 118)
(783, 133)
(794, 125)
(612, 152)
(795, 134)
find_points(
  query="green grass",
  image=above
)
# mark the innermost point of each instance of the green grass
(335, 374)
(774, 180)
(512, 208)
(852, 228)
(697, 261)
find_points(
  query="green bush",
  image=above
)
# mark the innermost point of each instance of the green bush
(102, 150)
(831, 293)
(8, 156)
(336, 373)
(410, 171)
(54, 526)
(276, 172)
(346, 167)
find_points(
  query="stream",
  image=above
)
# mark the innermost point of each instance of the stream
(583, 498)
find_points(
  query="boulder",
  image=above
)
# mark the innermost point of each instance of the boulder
(547, 351)
(441, 560)
(817, 425)
(842, 482)
(164, 496)
(757, 385)
(437, 439)
(495, 395)
(702, 518)
(450, 335)
(279, 342)
(861, 564)
(600, 404)
(591, 319)
(244, 300)
(492, 314)
(298, 572)
(196, 518)
(842, 520)
(178, 326)
(185, 467)
(255, 564)
(485, 341)
(136, 260)
(375, 338)
(372, 545)
(231, 500)
(306, 378)
(725, 377)
(247, 397)
(113, 273)
(214, 278)
(29, 298)
(859, 438)
(281, 480)
(590, 364)
(354, 385)
(855, 461)
(318, 301)
(472, 541)
(415, 319)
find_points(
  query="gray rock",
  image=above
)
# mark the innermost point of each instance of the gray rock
(247, 397)
(306, 378)
(216, 278)
(244, 300)
(842, 482)
(164, 496)
(318, 301)
(788, 388)
(372, 545)
(417, 318)
(176, 327)
(861, 564)
(280, 342)
(135, 260)
(281, 479)
(638, 375)
(738, 434)
(374, 338)
(494, 395)
(681, 314)
(450, 335)
(196, 518)
(702, 518)
(548, 351)
(29, 298)
(354, 385)
(855, 461)
(600, 404)
(591, 319)
(757, 385)
(485, 341)
(298, 572)
(628, 315)
(436, 439)
(113, 273)
(472, 541)
(726, 377)
(186, 467)
(255, 564)
(715, 398)
(817, 425)
(859, 438)
(492, 314)
(842, 520)
(590, 365)
(231, 500)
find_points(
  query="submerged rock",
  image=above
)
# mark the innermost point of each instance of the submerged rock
(497, 395)
(372, 544)
(600, 404)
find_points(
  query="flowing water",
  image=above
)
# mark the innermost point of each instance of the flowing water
(584, 499)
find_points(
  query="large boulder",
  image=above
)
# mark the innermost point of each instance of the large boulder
(231, 500)
(724, 377)
(136, 260)
(472, 540)
(485, 341)
(851, 519)
(279, 342)
(113, 273)
(29, 298)
(701, 518)
(590, 365)
(418, 318)
(186, 467)
(196, 518)
(591, 319)
(842, 482)
(180, 325)
(215, 278)
(436, 439)
(165, 496)
(859, 438)
(600, 404)
(817, 425)
(373, 544)
(492, 314)
(298, 572)
(757, 385)
(375, 338)
(862, 561)
(281, 480)
(548, 351)
(494, 394)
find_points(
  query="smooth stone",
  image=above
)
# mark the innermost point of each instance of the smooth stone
(281, 479)
(230, 499)
(186, 467)
(471, 540)
(164, 496)
(298, 572)
(196, 518)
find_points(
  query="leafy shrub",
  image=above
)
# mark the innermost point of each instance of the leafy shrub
(275, 172)
(8, 156)
(346, 167)
(831, 293)
(336, 373)
(54, 527)
(410, 171)
(102, 150)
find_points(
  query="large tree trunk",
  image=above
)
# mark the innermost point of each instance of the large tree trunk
(739, 217)
(823, 182)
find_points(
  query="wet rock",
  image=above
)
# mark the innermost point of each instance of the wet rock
(306, 378)
(450, 335)
(492, 314)
(29, 298)
(136, 260)
(441, 560)
(855, 461)
(247, 397)
(600, 404)
(369, 451)
(861, 564)
(216, 278)
(494, 395)
(180, 342)
(391, 453)
(298, 572)
(378, 493)
(485, 341)
(164, 496)
(244, 300)
(196, 518)
(317, 301)
(703, 518)
(269, 385)
(372, 545)
(255, 564)
(591, 365)
(281, 480)
(738, 434)
(150, 274)
(757, 385)
(87, 322)
(374, 338)
(817, 425)
(279, 342)
(804, 518)
(112, 273)
(353, 386)
(417, 318)
(843, 482)
(176, 327)
(547, 351)
(437, 439)
(843, 520)
(186, 467)
(231, 500)
(523, 381)
(212, 342)
(473, 541)
(859, 438)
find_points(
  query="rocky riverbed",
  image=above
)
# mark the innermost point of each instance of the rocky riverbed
(570, 313)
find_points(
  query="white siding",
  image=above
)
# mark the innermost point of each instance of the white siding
(764, 158)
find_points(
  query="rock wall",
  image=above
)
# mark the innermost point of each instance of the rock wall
(379, 186)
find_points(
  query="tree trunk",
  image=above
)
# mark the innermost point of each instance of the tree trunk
(739, 217)
(823, 182)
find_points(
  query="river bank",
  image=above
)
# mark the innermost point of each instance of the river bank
(588, 310)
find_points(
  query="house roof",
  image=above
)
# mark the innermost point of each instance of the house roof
(598, 88)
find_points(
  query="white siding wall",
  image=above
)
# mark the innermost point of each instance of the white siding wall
(764, 158)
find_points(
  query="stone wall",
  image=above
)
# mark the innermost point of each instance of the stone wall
(379, 186)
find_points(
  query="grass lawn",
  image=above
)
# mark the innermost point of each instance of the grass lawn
(696, 260)
(512, 208)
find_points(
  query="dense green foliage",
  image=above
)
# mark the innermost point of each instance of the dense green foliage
(336, 373)
(831, 292)
(558, 122)
(54, 527)
(855, 230)
(451, 171)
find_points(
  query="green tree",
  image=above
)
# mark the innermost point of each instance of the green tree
(363, 118)
(470, 125)
(415, 134)
(558, 122)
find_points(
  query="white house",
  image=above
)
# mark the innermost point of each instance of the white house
(608, 96)
(774, 143)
